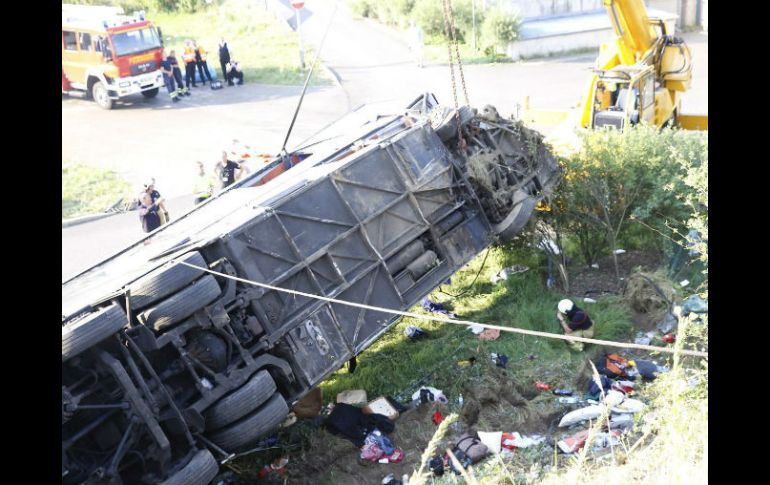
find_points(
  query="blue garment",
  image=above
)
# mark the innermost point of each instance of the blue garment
(436, 307)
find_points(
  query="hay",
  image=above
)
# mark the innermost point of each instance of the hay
(643, 296)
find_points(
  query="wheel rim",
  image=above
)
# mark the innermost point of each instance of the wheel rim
(100, 95)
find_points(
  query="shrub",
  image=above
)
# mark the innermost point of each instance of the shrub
(429, 14)
(364, 8)
(500, 28)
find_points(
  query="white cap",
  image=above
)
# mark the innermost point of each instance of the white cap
(565, 306)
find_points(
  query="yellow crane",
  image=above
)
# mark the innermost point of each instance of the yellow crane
(640, 77)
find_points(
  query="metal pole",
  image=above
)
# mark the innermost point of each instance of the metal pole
(301, 49)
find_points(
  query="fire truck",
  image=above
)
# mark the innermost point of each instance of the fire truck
(107, 55)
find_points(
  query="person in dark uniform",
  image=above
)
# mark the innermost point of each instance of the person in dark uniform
(182, 89)
(168, 78)
(575, 321)
(224, 57)
(188, 56)
(200, 61)
(148, 212)
(226, 171)
(155, 198)
(234, 72)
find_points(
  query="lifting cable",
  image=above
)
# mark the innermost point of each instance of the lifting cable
(468, 323)
(449, 29)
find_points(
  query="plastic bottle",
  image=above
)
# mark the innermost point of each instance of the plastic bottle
(460, 400)
(562, 392)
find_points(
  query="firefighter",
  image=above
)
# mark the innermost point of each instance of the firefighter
(200, 61)
(168, 77)
(224, 57)
(182, 90)
(189, 64)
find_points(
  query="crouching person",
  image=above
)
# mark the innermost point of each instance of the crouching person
(234, 73)
(575, 321)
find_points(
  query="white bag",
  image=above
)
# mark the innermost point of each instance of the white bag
(582, 414)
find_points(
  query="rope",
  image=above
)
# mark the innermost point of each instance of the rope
(418, 316)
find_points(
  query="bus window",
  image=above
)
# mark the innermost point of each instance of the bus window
(70, 43)
(85, 42)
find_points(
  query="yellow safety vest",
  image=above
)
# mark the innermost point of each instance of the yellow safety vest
(202, 53)
(189, 55)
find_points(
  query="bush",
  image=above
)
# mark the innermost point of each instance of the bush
(637, 174)
(364, 8)
(500, 28)
(429, 14)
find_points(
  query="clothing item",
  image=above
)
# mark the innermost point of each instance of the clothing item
(351, 423)
(578, 319)
(589, 333)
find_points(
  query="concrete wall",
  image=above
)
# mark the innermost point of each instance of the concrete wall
(545, 46)
(543, 8)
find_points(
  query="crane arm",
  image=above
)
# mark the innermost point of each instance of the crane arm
(632, 27)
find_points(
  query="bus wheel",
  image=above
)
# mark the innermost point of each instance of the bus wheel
(150, 93)
(99, 93)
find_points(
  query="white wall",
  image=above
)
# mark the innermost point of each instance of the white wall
(544, 46)
(542, 8)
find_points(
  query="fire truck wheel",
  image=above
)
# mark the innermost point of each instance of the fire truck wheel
(100, 95)
(150, 93)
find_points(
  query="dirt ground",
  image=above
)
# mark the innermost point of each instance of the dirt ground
(593, 283)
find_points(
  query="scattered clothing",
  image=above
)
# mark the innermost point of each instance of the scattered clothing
(430, 306)
(489, 334)
(515, 440)
(504, 273)
(429, 394)
(437, 418)
(414, 333)
(351, 423)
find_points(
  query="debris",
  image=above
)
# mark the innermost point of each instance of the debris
(644, 338)
(684, 283)
(395, 457)
(668, 323)
(382, 406)
(589, 300)
(504, 273)
(593, 388)
(460, 400)
(371, 452)
(466, 362)
(226, 478)
(500, 360)
(694, 304)
(629, 405)
(626, 387)
(568, 400)
(414, 333)
(621, 421)
(489, 334)
(436, 465)
(542, 386)
(606, 440)
(515, 440)
(573, 443)
(476, 328)
(613, 398)
(562, 392)
(352, 396)
(619, 251)
(391, 480)
(310, 405)
(291, 418)
(471, 447)
(351, 423)
(278, 466)
(649, 369)
(582, 414)
(650, 294)
(492, 440)
(437, 418)
(595, 266)
(429, 394)
(669, 338)
(433, 307)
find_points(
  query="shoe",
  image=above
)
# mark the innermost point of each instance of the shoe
(176, 100)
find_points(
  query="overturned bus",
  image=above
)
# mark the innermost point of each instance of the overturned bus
(172, 360)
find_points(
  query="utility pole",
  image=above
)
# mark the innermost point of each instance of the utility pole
(297, 7)
(473, 14)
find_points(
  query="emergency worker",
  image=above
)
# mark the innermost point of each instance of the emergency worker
(189, 64)
(168, 78)
(575, 321)
(182, 89)
(200, 61)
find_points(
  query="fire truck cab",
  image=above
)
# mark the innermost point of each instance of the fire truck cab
(108, 55)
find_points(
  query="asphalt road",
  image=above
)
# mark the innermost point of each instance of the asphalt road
(155, 138)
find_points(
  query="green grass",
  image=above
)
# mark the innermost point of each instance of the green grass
(394, 365)
(267, 49)
(89, 190)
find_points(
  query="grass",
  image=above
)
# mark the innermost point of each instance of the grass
(89, 190)
(394, 365)
(267, 49)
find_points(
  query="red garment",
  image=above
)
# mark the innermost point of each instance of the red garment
(437, 418)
